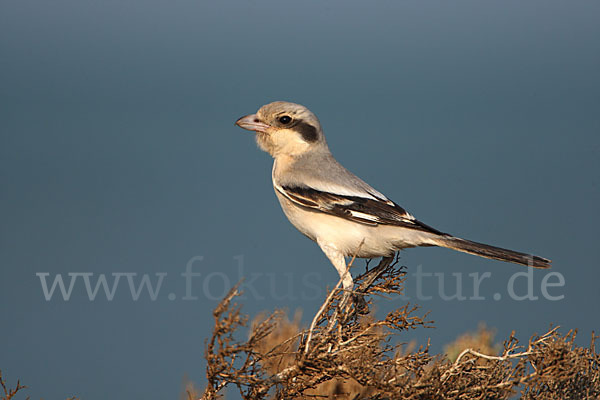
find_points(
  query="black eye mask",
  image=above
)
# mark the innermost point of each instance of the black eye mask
(309, 133)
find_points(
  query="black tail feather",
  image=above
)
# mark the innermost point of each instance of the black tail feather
(497, 253)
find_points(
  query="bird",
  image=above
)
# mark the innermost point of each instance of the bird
(330, 205)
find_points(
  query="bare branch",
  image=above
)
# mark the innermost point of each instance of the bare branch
(348, 354)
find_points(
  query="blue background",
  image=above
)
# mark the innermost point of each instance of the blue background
(118, 154)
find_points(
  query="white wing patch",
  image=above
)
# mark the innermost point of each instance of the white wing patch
(362, 215)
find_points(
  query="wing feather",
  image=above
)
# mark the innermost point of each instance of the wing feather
(365, 210)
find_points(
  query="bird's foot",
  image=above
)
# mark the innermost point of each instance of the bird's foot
(355, 299)
(360, 304)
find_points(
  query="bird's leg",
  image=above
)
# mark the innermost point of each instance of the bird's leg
(339, 262)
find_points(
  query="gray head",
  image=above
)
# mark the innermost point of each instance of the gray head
(284, 128)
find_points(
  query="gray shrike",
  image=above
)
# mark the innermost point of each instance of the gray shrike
(335, 208)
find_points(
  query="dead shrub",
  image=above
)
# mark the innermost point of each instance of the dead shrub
(345, 354)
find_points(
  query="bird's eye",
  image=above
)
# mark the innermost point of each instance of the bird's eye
(285, 119)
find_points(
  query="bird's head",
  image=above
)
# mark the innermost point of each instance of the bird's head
(285, 129)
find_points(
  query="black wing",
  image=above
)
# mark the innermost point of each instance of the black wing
(364, 210)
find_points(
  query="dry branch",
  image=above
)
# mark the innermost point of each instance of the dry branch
(9, 393)
(348, 355)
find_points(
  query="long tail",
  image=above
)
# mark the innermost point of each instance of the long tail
(497, 253)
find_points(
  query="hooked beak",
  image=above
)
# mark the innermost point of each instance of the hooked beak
(252, 123)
